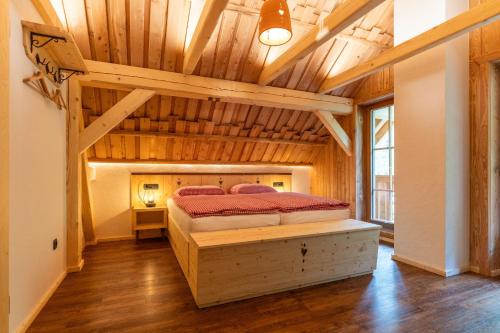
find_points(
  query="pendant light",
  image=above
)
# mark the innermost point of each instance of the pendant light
(275, 26)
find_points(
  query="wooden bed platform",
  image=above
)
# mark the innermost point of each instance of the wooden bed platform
(225, 266)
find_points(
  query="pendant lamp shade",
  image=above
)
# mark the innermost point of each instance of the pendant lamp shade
(275, 26)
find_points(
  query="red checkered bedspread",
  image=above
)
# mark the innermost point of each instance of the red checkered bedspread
(247, 204)
(225, 205)
(294, 202)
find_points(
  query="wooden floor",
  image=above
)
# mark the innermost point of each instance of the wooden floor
(138, 287)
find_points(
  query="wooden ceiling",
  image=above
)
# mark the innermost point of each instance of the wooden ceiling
(156, 33)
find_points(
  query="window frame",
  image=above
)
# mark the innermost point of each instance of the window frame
(368, 153)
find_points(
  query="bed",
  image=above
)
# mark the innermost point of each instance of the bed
(227, 257)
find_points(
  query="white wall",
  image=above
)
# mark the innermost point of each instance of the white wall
(37, 181)
(431, 142)
(111, 189)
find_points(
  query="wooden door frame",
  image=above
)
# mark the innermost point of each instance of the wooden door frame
(4, 167)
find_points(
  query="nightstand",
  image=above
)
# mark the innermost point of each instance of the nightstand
(149, 218)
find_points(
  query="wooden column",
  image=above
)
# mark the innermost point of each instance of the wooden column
(4, 166)
(484, 88)
(74, 179)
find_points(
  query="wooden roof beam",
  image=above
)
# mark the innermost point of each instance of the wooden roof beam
(207, 137)
(209, 17)
(211, 162)
(461, 24)
(340, 19)
(113, 117)
(337, 132)
(48, 13)
(128, 78)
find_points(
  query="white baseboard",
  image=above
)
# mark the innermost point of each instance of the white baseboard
(429, 268)
(75, 269)
(420, 265)
(39, 306)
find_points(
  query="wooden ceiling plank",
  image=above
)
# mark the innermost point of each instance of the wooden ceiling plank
(336, 130)
(459, 25)
(207, 23)
(341, 18)
(121, 77)
(113, 117)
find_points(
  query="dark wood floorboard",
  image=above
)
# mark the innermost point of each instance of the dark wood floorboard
(138, 287)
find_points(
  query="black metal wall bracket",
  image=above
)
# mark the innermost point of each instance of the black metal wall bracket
(36, 42)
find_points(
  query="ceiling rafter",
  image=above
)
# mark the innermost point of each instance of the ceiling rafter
(463, 23)
(209, 17)
(341, 18)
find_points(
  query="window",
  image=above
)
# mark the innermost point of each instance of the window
(382, 164)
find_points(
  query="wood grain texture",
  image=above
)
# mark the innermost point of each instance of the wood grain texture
(113, 117)
(155, 36)
(121, 77)
(334, 172)
(168, 183)
(341, 18)
(474, 18)
(4, 167)
(484, 227)
(133, 286)
(207, 23)
(375, 88)
(74, 246)
(48, 13)
(260, 261)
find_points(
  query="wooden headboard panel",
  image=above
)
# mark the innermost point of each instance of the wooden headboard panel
(169, 182)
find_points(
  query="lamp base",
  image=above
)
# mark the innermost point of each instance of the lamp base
(150, 204)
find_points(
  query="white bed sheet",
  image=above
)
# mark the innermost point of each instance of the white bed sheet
(187, 224)
(311, 216)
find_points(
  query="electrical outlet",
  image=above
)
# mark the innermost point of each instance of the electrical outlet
(54, 244)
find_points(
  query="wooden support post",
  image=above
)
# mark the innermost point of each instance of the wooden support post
(74, 244)
(4, 165)
(88, 221)
(337, 132)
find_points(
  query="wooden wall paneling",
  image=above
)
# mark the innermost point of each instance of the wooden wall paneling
(4, 166)
(376, 87)
(495, 170)
(484, 230)
(74, 244)
(169, 183)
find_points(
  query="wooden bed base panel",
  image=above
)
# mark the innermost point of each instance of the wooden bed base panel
(225, 266)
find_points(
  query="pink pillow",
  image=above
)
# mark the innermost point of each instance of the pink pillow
(251, 189)
(199, 190)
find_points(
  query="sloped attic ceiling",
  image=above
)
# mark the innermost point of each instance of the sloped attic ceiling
(156, 33)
